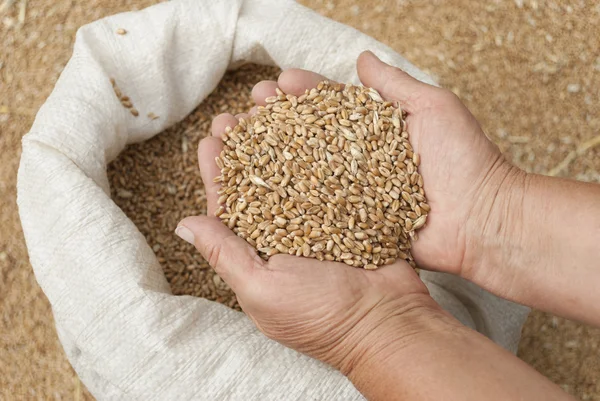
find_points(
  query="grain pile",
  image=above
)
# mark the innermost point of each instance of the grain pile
(329, 175)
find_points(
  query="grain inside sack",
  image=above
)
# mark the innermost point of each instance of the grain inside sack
(329, 175)
(157, 183)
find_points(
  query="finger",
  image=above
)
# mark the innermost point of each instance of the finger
(209, 149)
(263, 90)
(242, 115)
(391, 82)
(296, 81)
(232, 258)
(253, 110)
(221, 122)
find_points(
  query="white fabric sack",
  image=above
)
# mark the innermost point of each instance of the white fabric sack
(123, 331)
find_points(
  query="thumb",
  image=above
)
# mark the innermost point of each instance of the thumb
(231, 257)
(391, 82)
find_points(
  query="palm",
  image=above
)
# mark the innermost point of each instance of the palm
(302, 302)
(455, 158)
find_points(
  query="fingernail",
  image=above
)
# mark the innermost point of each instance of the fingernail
(185, 234)
(371, 54)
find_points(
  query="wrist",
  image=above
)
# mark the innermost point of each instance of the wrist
(537, 244)
(495, 238)
(396, 328)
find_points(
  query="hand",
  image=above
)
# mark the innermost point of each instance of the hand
(459, 165)
(491, 222)
(327, 310)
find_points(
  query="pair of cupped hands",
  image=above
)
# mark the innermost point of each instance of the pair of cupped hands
(337, 313)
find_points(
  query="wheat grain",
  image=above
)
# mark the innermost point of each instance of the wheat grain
(329, 175)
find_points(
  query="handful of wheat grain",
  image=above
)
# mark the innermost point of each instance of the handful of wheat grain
(329, 175)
